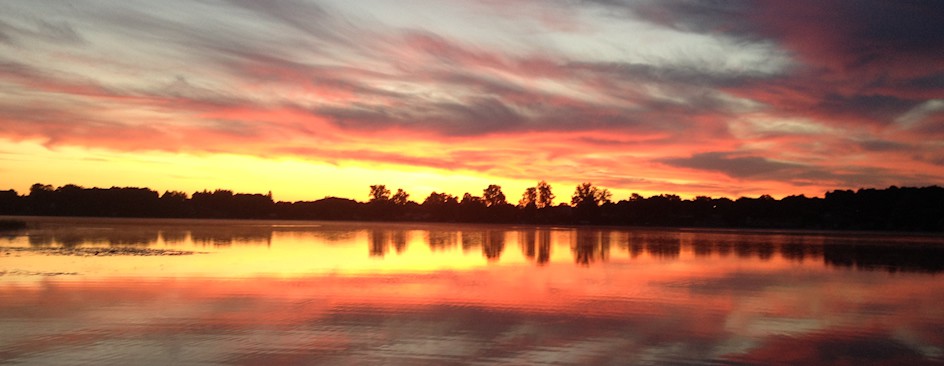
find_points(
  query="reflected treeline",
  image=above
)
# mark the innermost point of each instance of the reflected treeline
(74, 238)
(536, 245)
(868, 253)
(928, 259)
(445, 239)
(894, 208)
(490, 242)
(149, 235)
(494, 244)
(382, 240)
(227, 235)
(589, 246)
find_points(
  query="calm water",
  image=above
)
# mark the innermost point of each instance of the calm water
(365, 293)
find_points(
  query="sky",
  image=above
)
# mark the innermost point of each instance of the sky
(309, 99)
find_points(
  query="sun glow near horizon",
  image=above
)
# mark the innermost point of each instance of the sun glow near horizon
(288, 178)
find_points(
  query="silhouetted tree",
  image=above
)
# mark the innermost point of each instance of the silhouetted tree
(10, 202)
(41, 200)
(328, 208)
(40, 189)
(440, 207)
(440, 199)
(175, 203)
(587, 194)
(401, 197)
(493, 196)
(246, 206)
(529, 198)
(545, 196)
(379, 193)
(213, 204)
(176, 196)
(472, 208)
(469, 200)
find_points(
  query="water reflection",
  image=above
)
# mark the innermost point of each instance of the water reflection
(586, 246)
(536, 245)
(919, 258)
(445, 240)
(477, 317)
(349, 293)
(94, 236)
(124, 234)
(227, 235)
(381, 240)
(591, 246)
(494, 244)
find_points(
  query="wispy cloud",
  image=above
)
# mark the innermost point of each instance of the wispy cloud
(693, 96)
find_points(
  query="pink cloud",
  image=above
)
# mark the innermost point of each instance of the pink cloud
(419, 99)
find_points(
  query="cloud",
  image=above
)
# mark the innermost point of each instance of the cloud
(734, 166)
(640, 95)
(861, 62)
(17, 32)
(921, 112)
(752, 167)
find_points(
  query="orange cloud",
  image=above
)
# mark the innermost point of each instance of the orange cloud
(825, 110)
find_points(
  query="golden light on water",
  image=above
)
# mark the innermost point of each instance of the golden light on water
(294, 251)
(297, 291)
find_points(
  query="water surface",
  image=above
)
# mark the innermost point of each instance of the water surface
(367, 293)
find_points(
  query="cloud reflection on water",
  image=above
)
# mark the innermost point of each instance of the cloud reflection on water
(342, 293)
(501, 315)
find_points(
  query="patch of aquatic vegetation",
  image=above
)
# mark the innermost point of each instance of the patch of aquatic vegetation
(17, 272)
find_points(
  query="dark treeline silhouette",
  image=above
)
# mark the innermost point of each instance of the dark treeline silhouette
(892, 209)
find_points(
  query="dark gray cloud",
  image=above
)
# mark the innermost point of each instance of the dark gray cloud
(904, 26)
(686, 15)
(884, 146)
(759, 168)
(734, 166)
(669, 74)
(859, 62)
(882, 109)
(930, 82)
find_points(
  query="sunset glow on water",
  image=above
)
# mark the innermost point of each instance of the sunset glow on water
(318, 292)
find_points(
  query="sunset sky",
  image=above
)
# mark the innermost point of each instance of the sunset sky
(323, 98)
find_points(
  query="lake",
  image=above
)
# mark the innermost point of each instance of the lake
(81, 291)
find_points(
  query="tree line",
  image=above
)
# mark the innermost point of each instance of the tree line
(893, 208)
